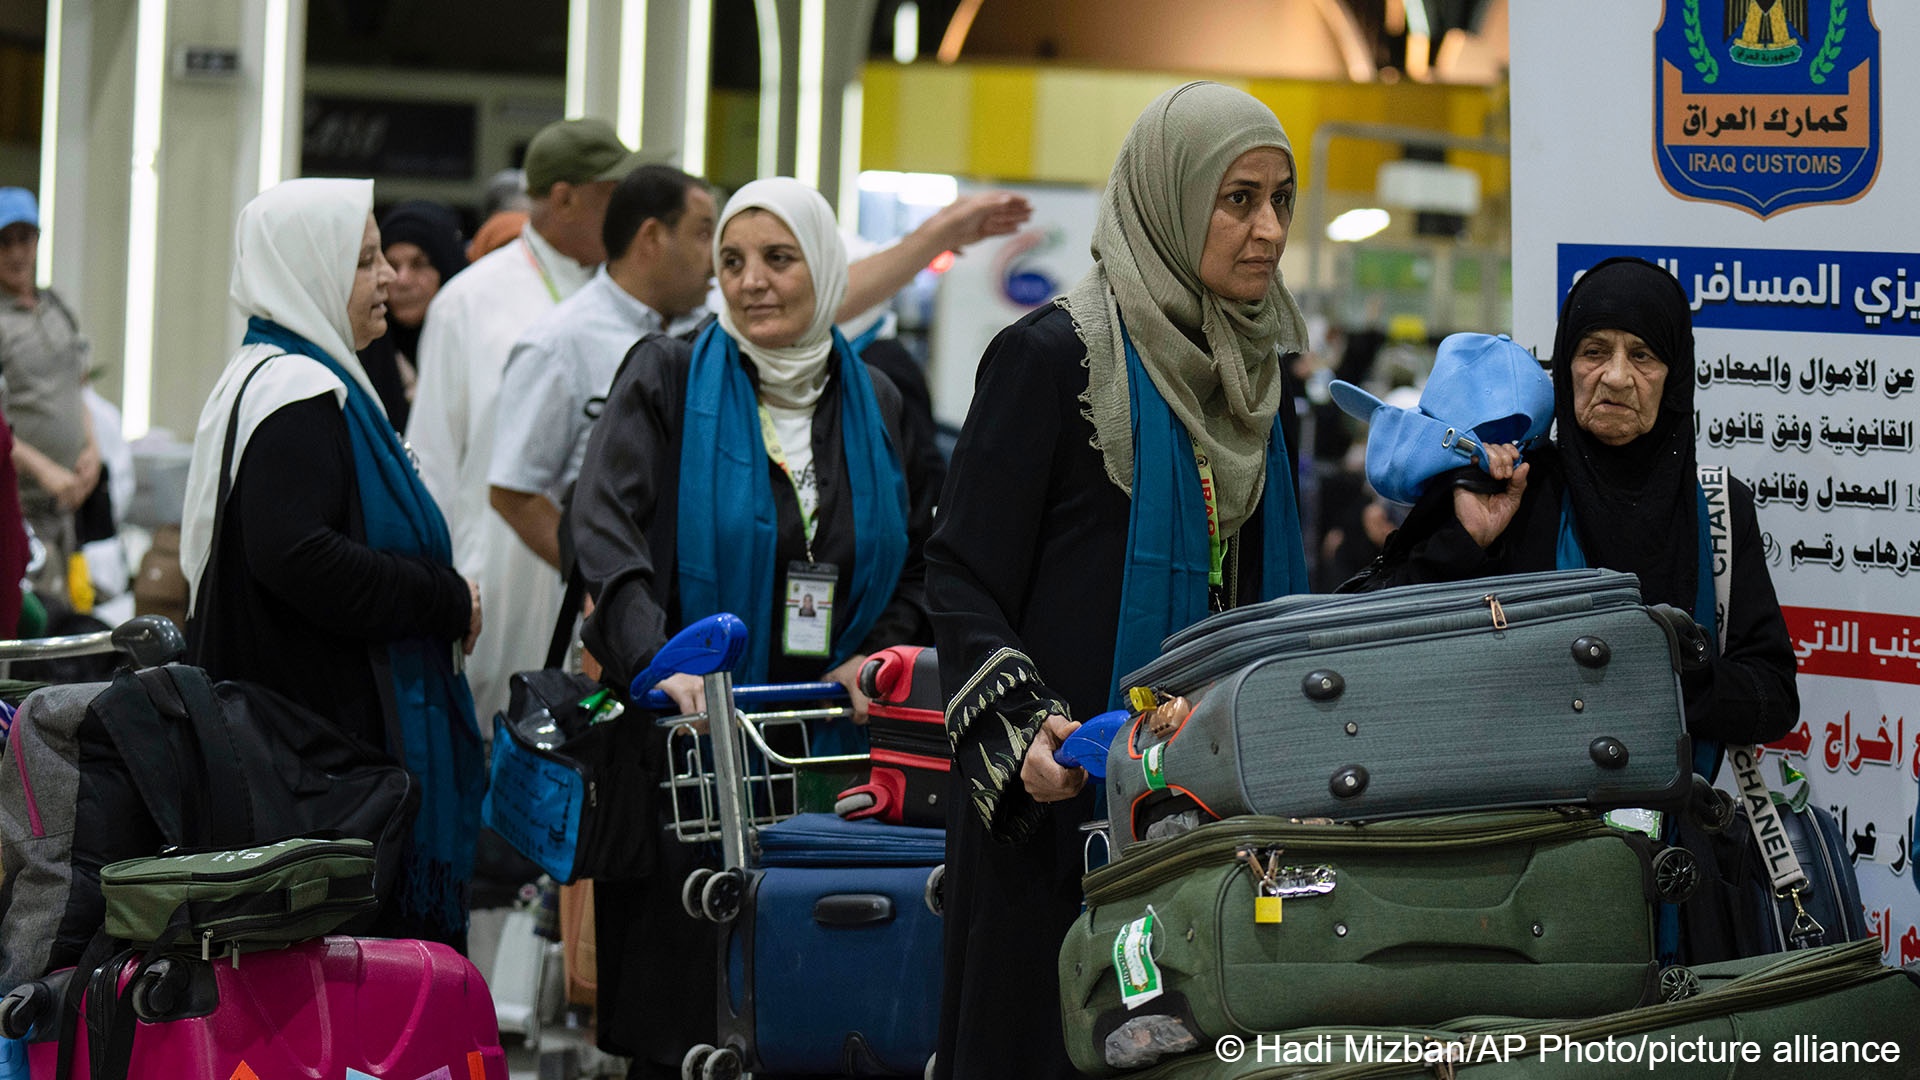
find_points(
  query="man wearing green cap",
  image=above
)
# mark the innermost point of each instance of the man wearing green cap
(572, 167)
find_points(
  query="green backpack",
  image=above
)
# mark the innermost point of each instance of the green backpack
(219, 901)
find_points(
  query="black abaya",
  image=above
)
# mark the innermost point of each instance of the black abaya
(1028, 555)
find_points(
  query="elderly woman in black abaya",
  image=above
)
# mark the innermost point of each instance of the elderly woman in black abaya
(1619, 489)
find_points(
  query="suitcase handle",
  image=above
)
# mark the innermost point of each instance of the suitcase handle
(853, 909)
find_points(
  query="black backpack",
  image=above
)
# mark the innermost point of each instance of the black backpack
(166, 758)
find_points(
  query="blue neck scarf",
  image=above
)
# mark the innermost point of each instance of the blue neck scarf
(433, 708)
(1168, 556)
(727, 542)
(858, 346)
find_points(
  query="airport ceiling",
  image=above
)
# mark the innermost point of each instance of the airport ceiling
(529, 36)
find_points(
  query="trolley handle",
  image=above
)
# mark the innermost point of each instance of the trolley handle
(146, 640)
(747, 698)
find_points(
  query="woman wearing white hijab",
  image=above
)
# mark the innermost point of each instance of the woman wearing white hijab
(740, 474)
(1119, 476)
(318, 564)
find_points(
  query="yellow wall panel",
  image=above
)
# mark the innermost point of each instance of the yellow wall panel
(1083, 118)
(880, 117)
(1004, 100)
(1064, 125)
(935, 122)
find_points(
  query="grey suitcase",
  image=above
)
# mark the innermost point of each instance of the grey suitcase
(1547, 689)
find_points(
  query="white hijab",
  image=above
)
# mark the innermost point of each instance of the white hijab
(295, 251)
(794, 375)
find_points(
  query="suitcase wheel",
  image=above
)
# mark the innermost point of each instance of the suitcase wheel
(1710, 807)
(721, 896)
(703, 1062)
(156, 992)
(1677, 983)
(855, 803)
(935, 895)
(1675, 874)
(690, 896)
(23, 1008)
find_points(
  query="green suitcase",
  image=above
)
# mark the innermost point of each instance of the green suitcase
(1833, 1012)
(1414, 921)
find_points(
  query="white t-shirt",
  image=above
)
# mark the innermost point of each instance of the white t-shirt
(558, 372)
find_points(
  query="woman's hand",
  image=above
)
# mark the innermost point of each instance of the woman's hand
(689, 694)
(1046, 779)
(67, 487)
(473, 617)
(1485, 517)
(86, 470)
(848, 675)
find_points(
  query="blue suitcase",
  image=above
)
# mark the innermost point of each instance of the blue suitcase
(833, 965)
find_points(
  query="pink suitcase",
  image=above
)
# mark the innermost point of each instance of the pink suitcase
(338, 1008)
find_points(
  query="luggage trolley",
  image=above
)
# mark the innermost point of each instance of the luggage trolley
(852, 904)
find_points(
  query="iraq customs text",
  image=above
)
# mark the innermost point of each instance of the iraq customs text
(1801, 164)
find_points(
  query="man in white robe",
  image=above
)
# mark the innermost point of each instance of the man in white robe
(572, 167)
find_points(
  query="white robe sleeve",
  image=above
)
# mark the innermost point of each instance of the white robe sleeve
(437, 426)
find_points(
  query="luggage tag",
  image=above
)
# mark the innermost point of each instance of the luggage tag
(1634, 819)
(808, 627)
(1152, 764)
(1133, 962)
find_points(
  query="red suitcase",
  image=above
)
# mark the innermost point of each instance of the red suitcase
(907, 727)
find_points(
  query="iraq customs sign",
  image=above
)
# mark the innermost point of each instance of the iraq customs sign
(1767, 105)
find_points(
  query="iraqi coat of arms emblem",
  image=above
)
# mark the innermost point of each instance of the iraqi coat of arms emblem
(1767, 105)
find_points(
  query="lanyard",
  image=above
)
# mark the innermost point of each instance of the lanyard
(778, 453)
(545, 278)
(1215, 549)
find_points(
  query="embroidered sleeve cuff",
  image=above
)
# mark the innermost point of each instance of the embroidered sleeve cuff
(992, 721)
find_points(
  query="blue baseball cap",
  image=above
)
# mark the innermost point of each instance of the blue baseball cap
(17, 204)
(1484, 389)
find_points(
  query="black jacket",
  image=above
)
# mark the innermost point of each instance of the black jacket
(624, 516)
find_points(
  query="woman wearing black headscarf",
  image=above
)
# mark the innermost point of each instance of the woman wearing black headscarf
(1619, 489)
(424, 244)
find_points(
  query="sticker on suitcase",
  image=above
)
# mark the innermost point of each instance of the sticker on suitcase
(1133, 962)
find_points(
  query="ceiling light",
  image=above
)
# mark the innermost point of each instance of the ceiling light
(1357, 224)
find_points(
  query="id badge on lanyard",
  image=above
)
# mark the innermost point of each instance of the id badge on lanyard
(808, 625)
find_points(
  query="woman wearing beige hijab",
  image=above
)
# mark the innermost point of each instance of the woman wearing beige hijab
(1119, 476)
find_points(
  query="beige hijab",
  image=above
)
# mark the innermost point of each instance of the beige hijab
(1147, 241)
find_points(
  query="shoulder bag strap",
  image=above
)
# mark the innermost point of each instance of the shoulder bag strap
(209, 581)
(569, 614)
(1782, 866)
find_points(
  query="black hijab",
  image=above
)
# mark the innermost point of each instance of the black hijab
(1636, 506)
(435, 229)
